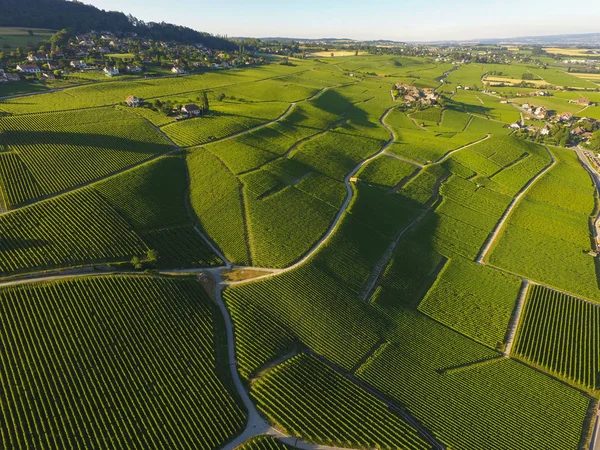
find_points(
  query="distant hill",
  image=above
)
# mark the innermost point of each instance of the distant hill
(588, 39)
(79, 18)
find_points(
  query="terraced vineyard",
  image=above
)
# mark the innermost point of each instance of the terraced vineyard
(313, 260)
(328, 408)
(75, 229)
(99, 345)
(59, 151)
(561, 334)
(264, 443)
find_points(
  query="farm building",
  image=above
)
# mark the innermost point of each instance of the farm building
(191, 110)
(178, 70)
(582, 101)
(28, 68)
(133, 101)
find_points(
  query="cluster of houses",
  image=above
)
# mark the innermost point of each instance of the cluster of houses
(409, 95)
(88, 52)
(186, 112)
(579, 127)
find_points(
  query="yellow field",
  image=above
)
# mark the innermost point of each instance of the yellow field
(513, 48)
(514, 81)
(336, 53)
(567, 51)
(587, 76)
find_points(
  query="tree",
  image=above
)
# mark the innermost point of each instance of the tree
(59, 39)
(136, 263)
(152, 256)
(595, 141)
(30, 32)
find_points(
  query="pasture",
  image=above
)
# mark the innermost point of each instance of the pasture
(13, 37)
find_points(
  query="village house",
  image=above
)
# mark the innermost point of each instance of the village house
(111, 71)
(78, 64)
(133, 101)
(515, 126)
(178, 70)
(52, 66)
(191, 110)
(541, 112)
(49, 76)
(28, 68)
(577, 131)
(565, 117)
(545, 130)
(38, 57)
(133, 68)
(103, 50)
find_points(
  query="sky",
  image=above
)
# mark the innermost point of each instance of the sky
(400, 20)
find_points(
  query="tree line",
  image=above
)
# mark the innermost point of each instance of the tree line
(80, 18)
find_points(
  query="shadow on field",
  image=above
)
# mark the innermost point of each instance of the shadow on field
(464, 107)
(84, 140)
(18, 243)
(334, 103)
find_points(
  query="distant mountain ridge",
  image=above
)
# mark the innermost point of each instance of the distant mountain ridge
(584, 39)
(80, 18)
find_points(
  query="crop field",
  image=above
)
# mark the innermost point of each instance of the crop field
(216, 199)
(264, 443)
(63, 150)
(223, 121)
(455, 120)
(470, 401)
(13, 37)
(559, 77)
(328, 408)
(560, 333)
(386, 172)
(115, 92)
(550, 225)
(17, 185)
(428, 116)
(100, 348)
(151, 196)
(76, 229)
(385, 276)
(473, 300)
(285, 225)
